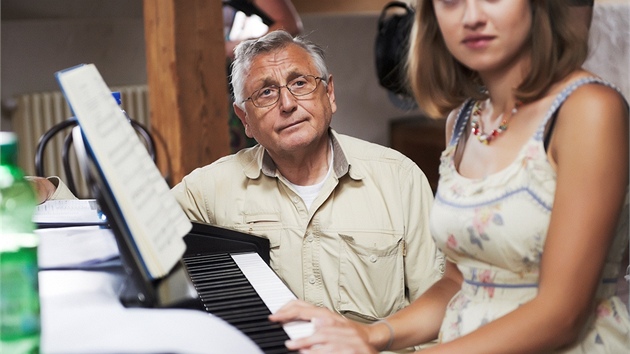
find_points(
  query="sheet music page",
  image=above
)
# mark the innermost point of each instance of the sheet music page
(152, 214)
(76, 247)
(69, 212)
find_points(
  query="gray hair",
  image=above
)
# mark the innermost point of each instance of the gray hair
(246, 51)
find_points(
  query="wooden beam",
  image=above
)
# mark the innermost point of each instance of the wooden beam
(186, 75)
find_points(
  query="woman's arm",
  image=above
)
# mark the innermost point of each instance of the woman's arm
(418, 323)
(589, 148)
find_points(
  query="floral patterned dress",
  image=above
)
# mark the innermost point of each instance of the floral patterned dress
(495, 228)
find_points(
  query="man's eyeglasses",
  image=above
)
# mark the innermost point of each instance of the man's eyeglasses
(300, 86)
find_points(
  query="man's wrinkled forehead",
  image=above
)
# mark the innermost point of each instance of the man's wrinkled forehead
(286, 63)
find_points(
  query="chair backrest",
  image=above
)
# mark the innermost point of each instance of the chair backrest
(65, 127)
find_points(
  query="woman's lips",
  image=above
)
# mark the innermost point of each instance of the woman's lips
(477, 42)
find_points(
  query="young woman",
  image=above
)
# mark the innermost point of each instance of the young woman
(531, 208)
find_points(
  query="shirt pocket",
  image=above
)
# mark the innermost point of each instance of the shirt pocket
(266, 225)
(371, 275)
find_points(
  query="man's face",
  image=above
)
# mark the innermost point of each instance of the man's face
(293, 125)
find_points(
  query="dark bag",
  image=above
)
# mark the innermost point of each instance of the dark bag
(392, 45)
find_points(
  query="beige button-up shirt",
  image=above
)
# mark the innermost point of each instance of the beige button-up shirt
(363, 249)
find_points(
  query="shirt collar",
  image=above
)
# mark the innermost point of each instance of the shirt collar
(262, 161)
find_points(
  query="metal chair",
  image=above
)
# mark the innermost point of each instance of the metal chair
(71, 122)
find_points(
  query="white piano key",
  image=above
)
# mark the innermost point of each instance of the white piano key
(271, 290)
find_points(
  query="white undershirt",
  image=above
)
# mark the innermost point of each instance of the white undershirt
(309, 193)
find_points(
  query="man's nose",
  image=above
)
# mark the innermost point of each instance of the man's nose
(288, 102)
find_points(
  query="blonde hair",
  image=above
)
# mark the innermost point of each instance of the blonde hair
(440, 83)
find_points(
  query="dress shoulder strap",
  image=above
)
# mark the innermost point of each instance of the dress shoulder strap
(561, 97)
(461, 120)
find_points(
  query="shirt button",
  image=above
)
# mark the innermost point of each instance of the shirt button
(311, 279)
(309, 238)
(295, 200)
(373, 258)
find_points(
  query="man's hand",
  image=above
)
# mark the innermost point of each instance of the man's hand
(43, 188)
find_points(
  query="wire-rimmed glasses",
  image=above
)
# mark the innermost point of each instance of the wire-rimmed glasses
(269, 95)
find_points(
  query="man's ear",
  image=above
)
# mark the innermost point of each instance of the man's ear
(242, 115)
(330, 91)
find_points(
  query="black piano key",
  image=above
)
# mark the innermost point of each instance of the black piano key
(226, 293)
(263, 331)
(218, 294)
(232, 304)
(223, 284)
(234, 313)
(238, 316)
(269, 340)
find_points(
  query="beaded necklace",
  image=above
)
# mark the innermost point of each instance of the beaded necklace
(486, 138)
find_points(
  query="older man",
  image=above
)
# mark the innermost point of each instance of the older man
(347, 220)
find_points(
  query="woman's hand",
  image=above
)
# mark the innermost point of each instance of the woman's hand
(333, 333)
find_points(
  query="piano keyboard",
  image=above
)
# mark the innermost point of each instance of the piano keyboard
(242, 290)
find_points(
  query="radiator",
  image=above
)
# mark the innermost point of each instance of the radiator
(38, 112)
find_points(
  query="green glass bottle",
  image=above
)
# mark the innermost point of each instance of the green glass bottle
(19, 295)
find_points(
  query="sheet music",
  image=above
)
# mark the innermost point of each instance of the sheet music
(152, 214)
(69, 212)
(77, 247)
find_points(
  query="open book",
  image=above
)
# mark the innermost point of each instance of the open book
(151, 213)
